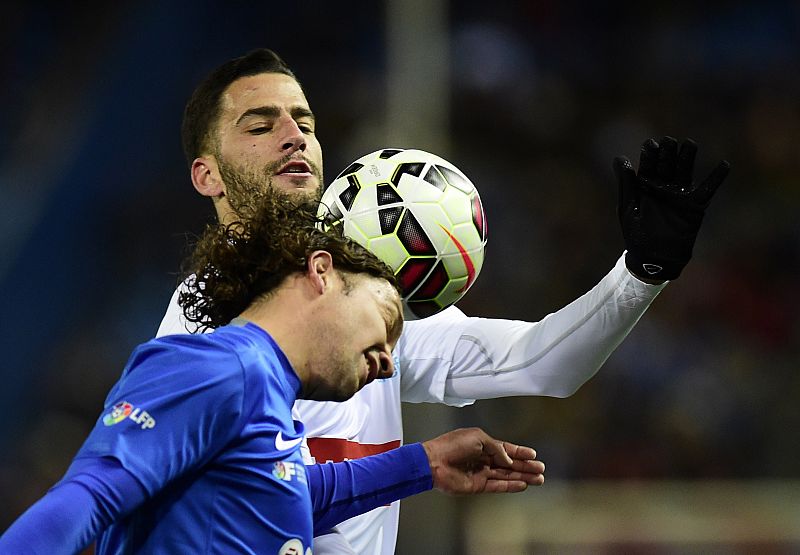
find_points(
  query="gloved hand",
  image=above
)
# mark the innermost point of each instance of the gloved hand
(661, 208)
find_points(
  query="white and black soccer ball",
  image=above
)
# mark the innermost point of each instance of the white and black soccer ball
(419, 214)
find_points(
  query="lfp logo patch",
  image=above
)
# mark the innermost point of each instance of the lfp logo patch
(284, 470)
(120, 412)
(287, 471)
(123, 410)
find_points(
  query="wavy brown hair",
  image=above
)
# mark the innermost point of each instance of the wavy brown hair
(232, 265)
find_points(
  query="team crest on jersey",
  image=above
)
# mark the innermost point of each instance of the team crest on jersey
(123, 410)
(288, 471)
(293, 547)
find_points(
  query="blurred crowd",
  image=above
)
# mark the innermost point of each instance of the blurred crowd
(98, 207)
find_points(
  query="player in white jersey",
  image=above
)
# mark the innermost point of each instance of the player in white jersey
(248, 127)
(450, 358)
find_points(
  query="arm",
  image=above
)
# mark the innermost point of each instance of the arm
(660, 211)
(69, 517)
(459, 462)
(343, 490)
(454, 359)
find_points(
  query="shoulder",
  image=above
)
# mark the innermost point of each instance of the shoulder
(184, 362)
(183, 349)
(174, 322)
(446, 317)
(430, 333)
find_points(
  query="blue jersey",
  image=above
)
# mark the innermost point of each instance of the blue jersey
(204, 423)
(197, 452)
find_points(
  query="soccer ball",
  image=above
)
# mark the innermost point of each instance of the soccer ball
(419, 214)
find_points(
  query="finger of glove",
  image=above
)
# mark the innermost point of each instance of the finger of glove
(648, 159)
(709, 186)
(667, 156)
(626, 179)
(685, 163)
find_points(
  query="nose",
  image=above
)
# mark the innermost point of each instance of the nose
(293, 138)
(385, 365)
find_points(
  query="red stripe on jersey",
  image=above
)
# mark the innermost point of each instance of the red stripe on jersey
(334, 449)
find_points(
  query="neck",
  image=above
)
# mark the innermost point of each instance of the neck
(284, 321)
(225, 213)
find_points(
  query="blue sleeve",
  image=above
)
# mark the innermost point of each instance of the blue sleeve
(343, 490)
(69, 517)
(179, 401)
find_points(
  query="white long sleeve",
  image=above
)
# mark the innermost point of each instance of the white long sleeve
(455, 359)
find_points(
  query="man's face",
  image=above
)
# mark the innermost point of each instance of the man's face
(266, 138)
(357, 329)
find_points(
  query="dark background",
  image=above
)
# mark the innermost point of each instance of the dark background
(538, 99)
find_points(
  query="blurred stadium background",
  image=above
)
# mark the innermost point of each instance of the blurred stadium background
(685, 441)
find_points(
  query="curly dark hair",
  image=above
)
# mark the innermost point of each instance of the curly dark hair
(231, 265)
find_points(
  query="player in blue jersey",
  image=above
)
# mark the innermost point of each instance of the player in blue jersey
(197, 450)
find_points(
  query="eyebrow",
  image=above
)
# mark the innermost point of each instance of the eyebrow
(297, 112)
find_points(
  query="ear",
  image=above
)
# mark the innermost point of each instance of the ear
(206, 178)
(320, 269)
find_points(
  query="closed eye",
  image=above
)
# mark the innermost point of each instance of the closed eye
(259, 130)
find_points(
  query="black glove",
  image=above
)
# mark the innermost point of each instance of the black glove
(661, 208)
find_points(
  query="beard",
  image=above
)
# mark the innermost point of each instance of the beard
(336, 377)
(245, 186)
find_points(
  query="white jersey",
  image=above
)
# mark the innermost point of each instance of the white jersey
(454, 359)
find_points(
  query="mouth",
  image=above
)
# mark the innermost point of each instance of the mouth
(295, 168)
